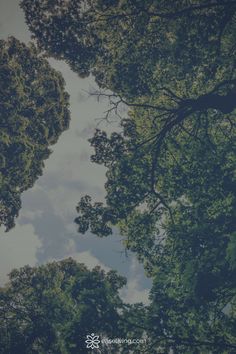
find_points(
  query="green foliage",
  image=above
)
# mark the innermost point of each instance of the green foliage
(171, 171)
(179, 219)
(231, 251)
(33, 114)
(134, 47)
(51, 308)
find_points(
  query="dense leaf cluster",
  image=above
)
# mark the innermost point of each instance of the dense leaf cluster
(33, 113)
(52, 308)
(134, 47)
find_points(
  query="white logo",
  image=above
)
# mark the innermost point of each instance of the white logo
(92, 341)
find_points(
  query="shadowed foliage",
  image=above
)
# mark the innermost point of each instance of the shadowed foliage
(52, 308)
(33, 114)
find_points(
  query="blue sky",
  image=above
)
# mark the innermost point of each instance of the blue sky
(45, 230)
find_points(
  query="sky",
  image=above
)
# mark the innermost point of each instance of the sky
(45, 230)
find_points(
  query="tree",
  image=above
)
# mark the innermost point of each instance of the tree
(181, 228)
(33, 113)
(52, 308)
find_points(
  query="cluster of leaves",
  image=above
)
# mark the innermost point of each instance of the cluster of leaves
(33, 113)
(134, 47)
(182, 229)
(52, 308)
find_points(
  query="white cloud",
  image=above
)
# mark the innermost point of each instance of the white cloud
(133, 291)
(85, 257)
(31, 215)
(89, 260)
(17, 249)
(132, 294)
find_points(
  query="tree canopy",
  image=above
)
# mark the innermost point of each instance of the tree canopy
(137, 48)
(170, 185)
(33, 113)
(52, 308)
